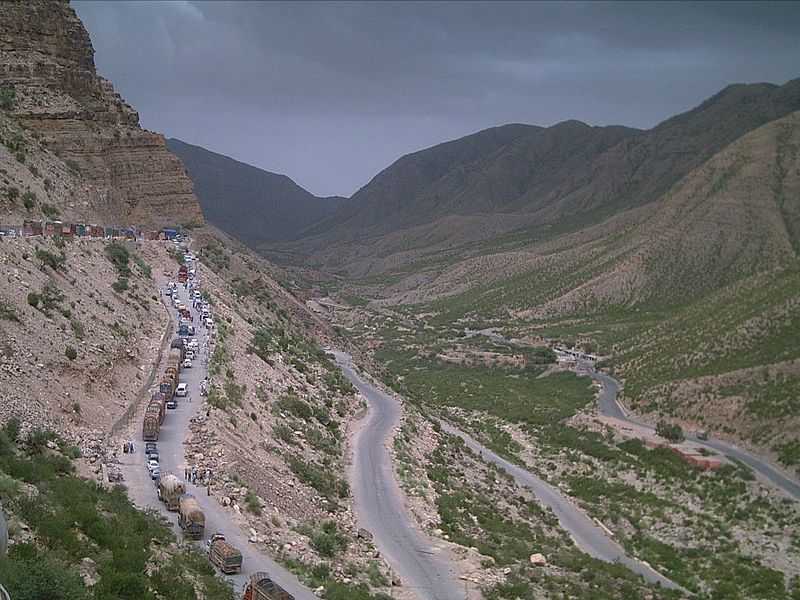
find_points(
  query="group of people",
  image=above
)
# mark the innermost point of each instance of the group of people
(127, 447)
(192, 474)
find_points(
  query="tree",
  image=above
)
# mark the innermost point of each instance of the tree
(670, 432)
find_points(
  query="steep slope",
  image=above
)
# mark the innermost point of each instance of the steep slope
(49, 84)
(253, 205)
(541, 177)
(693, 298)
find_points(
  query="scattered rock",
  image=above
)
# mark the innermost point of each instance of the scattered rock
(538, 560)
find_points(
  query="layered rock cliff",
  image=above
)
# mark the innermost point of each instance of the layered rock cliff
(49, 84)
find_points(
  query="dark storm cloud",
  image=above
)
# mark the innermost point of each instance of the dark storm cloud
(330, 93)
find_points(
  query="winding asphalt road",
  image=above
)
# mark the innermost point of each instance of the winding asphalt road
(584, 531)
(219, 519)
(379, 501)
(609, 405)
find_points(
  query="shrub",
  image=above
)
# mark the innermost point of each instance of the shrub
(20, 156)
(7, 313)
(28, 200)
(50, 211)
(33, 299)
(50, 259)
(73, 166)
(77, 329)
(50, 296)
(71, 353)
(7, 96)
(120, 285)
(252, 504)
(119, 257)
(12, 193)
(672, 433)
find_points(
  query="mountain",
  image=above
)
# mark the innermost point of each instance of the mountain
(253, 205)
(50, 87)
(529, 176)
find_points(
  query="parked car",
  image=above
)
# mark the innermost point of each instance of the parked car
(152, 464)
(150, 447)
(190, 354)
(172, 404)
(155, 473)
(153, 455)
(182, 390)
(187, 363)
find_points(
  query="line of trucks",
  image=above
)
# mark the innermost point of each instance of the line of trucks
(172, 491)
(156, 409)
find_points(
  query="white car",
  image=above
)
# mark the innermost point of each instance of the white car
(190, 354)
(152, 464)
(182, 390)
(187, 363)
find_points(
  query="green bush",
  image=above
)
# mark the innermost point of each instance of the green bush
(71, 353)
(7, 313)
(12, 193)
(672, 433)
(50, 296)
(77, 329)
(120, 285)
(28, 200)
(120, 258)
(33, 299)
(20, 156)
(73, 166)
(51, 259)
(7, 96)
(252, 504)
(50, 211)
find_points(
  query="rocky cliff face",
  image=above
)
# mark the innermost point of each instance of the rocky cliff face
(50, 85)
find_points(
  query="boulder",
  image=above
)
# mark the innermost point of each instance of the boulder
(538, 560)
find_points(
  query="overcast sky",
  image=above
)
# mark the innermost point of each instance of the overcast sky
(331, 93)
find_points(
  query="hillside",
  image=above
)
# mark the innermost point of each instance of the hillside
(253, 205)
(693, 296)
(49, 86)
(535, 178)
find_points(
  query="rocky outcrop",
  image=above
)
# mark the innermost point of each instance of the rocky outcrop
(50, 84)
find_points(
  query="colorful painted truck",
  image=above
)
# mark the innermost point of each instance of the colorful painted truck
(150, 427)
(261, 587)
(225, 556)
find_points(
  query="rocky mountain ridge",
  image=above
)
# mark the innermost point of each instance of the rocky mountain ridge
(535, 179)
(50, 86)
(250, 204)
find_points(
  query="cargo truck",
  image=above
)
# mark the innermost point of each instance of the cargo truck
(191, 517)
(261, 587)
(171, 489)
(225, 556)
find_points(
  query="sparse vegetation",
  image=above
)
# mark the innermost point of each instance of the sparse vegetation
(50, 211)
(80, 517)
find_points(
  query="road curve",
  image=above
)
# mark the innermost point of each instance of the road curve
(609, 405)
(379, 501)
(584, 531)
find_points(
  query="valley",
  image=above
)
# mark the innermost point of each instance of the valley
(557, 361)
